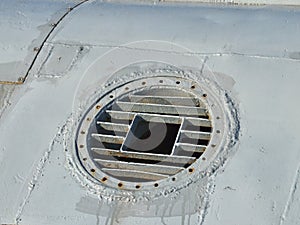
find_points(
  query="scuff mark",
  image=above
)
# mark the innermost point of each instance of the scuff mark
(118, 210)
(203, 65)
(98, 213)
(19, 178)
(273, 206)
(204, 210)
(217, 213)
(229, 188)
(262, 149)
(291, 196)
(38, 172)
(2, 150)
(186, 203)
(162, 218)
(5, 94)
(294, 55)
(183, 53)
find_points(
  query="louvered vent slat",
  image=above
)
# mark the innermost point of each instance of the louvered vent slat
(145, 156)
(152, 168)
(161, 109)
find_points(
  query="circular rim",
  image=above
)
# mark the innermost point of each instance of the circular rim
(217, 117)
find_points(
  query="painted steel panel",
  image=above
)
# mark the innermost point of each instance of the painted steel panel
(252, 52)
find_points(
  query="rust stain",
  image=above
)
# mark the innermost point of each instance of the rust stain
(191, 170)
(120, 185)
(12, 82)
(104, 179)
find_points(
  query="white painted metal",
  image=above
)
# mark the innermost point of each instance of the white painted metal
(246, 2)
(24, 26)
(252, 53)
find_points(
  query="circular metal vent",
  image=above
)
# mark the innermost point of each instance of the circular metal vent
(147, 131)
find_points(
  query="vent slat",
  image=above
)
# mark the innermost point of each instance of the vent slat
(196, 135)
(134, 174)
(120, 115)
(147, 156)
(168, 119)
(166, 100)
(191, 147)
(158, 108)
(108, 138)
(152, 168)
(198, 122)
(114, 126)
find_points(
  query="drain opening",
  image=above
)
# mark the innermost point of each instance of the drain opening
(146, 135)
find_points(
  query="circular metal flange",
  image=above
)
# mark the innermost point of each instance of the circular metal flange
(109, 156)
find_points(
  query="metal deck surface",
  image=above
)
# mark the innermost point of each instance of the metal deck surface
(251, 52)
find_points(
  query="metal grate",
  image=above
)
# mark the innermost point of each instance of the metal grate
(144, 135)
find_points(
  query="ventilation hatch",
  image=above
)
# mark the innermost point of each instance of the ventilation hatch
(147, 134)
